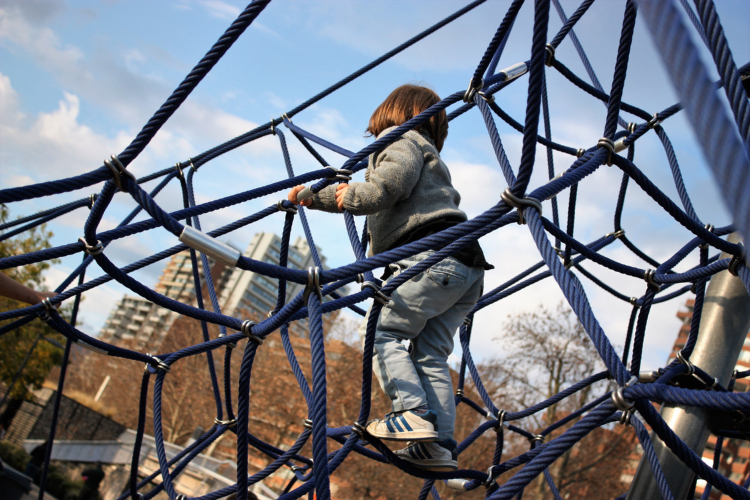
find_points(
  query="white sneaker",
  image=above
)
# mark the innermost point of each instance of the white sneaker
(433, 455)
(405, 426)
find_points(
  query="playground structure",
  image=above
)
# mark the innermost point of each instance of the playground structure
(723, 136)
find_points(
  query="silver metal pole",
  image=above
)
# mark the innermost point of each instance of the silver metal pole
(725, 322)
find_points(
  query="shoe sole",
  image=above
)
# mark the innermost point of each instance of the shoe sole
(406, 436)
(433, 465)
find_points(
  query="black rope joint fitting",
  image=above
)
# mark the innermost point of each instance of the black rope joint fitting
(617, 234)
(459, 392)
(92, 200)
(282, 208)
(117, 168)
(489, 99)
(180, 173)
(247, 331)
(710, 229)
(91, 249)
(655, 121)
(632, 126)
(158, 364)
(649, 277)
(538, 438)
(378, 296)
(471, 91)
(634, 302)
(685, 361)
(313, 283)
(487, 483)
(609, 145)
(520, 203)
(308, 423)
(550, 54)
(48, 308)
(501, 418)
(580, 152)
(618, 398)
(342, 174)
(285, 116)
(270, 313)
(737, 260)
(358, 429)
(228, 423)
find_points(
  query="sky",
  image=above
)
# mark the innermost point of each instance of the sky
(79, 79)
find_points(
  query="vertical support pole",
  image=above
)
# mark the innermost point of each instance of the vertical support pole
(725, 322)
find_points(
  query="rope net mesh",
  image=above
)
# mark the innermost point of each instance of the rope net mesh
(724, 137)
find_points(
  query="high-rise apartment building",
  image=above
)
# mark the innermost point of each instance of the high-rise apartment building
(242, 294)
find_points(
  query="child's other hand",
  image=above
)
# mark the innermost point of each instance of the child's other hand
(293, 196)
(340, 193)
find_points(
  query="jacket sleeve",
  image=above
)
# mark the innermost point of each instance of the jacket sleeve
(325, 200)
(395, 172)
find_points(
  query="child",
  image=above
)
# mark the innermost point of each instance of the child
(407, 195)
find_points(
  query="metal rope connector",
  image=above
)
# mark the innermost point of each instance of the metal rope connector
(487, 483)
(285, 116)
(655, 121)
(228, 423)
(489, 99)
(501, 419)
(617, 234)
(520, 203)
(282, 208)
(649, 277)
(619, 399)
(308, 423)
(358, 429)
(180, 173)
(580, 152)
(247, 331)
(710, 229)
(209, 246)
(342, 174)
(48, 307)
(118, 169)
(606, 143)
(378, 296)
(91, 249)
(538, 438)
(685, 361)
(231, 345)
(92, 200)
(471, 91)
(313, 283)
(550, 54)
(737, 260)
(159, 365)
(467, 321)
(632, 126)
(634, 302)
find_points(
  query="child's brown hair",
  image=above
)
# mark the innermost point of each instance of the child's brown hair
(403, 104)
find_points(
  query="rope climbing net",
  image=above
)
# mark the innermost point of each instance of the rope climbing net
(723, 136)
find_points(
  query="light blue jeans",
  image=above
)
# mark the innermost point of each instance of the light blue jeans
(426, 310)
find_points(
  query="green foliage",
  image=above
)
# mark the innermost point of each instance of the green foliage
(16, 344)
(14, 455)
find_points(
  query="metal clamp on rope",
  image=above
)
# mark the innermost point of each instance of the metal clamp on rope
(459, 392)
(180, 173)
(737, 260)
(550, 54)
(342, 174)
(501, 420)
(48, 307)
(621, 402)
(690, 366)
(632, 126)
(710, 229)
(313, 283)
(117, 168)
(228, 423)
(648, 377)
(620, 145)
(231, 345)
(467, 320)
(520, 203)
(634, 302)
(307, 423)
(487, 483)
(378, 296)
(209, 246)
(649, 277)
(489, 99)
(471, 91)
(247, 331)
(158, 365)
(653, 122)
(617, 234)
(92, 200)
(358, 429)
(91, 249)
(608, 145)
(285, 116)
(580, 152)
(538, 438)
(515, 71)
(457, 484)
(282, 208)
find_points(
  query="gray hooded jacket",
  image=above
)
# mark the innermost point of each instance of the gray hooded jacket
(406, 186)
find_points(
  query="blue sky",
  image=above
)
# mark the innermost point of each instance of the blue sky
(79, 79)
